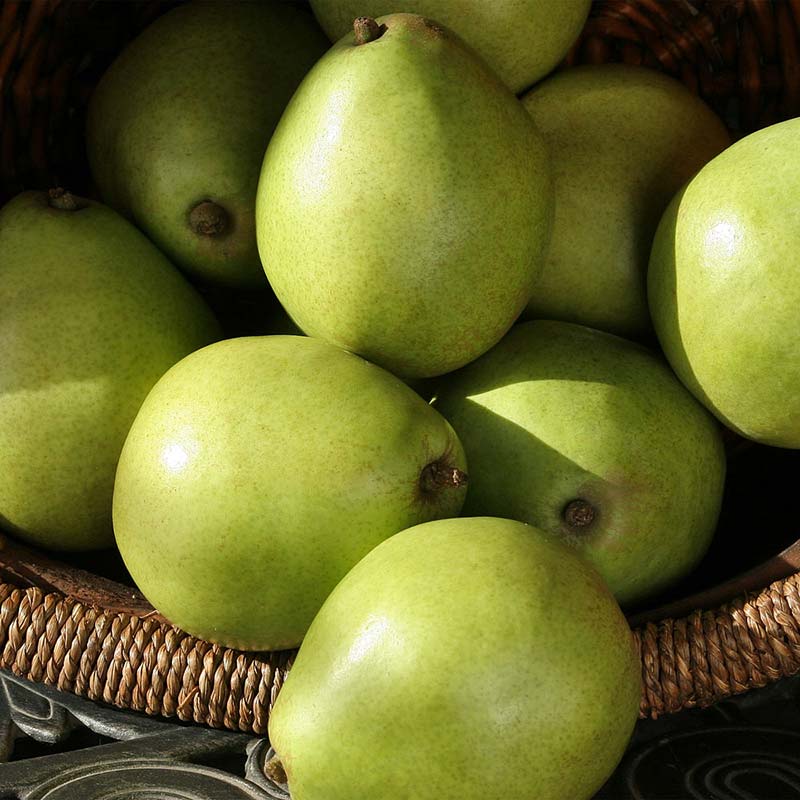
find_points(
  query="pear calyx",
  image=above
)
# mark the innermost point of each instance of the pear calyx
(209, 219)
(441, 474)
(579, 513)
(62, 200)
(274, 770)
(367, 30)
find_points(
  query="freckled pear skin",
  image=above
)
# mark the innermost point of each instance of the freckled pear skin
(463, 658)
(593, 439)
(261, 469)
(92, 316)
(405, 201)
(522, 40)
(724, 285)
(178, 126)
(624, 139)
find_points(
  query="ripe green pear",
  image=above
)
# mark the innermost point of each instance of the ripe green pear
(522, 40)
(724, 285)
(260, 470)
(178, 126)
(593, 439)
(461, 659)
(624, 139)
(405, 200)
(91, 315)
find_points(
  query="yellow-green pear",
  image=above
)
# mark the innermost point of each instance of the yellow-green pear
(260, 470)
(91, 316)
(522, 40)
(593, 439)
(178, 126)
(724, 285)
(623, 139)
(463, 659)
(405, 200)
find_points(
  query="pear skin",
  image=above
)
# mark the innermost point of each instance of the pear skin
(724, 285)
(522, 40)
(261, 469)
(92, 316)
(463, 658)
(178, 125)
(405, 200)
(593, 439)
(623, 139)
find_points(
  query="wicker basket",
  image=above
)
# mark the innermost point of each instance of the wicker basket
(88, 635)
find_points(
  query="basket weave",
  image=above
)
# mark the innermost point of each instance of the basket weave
(140, 662)
(742, 56)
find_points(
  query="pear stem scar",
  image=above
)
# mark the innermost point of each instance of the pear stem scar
(63, 200)
(440, 475)
(579, 513)
(367, 30)
(209, 219)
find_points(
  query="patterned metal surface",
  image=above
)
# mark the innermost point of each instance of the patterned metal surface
(55, 746)
(745, 748)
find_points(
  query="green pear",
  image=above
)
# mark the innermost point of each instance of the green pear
(460, 660)
(405, 200)
(178, 126)
(522, 40)
(724, 285)
(92, 315)
(261, 469)
(593, 439)
(624, 139)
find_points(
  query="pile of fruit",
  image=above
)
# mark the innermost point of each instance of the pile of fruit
(528, 302)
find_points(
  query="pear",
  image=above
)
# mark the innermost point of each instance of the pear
(463, 658)
(405, 200)
(261, 469)
(724, 285)
(593, 439)
(178, 125)
(624, 139)
(522, 40)
(92, 316)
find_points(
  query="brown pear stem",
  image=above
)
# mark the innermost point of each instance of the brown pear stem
(209, 219)
(63, 200)
(367, 30)
(274, 770)
(440, 475)
(579, 513)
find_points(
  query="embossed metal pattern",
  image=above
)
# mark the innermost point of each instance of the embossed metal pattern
(144, 779)
(729, 763)
(746, 748)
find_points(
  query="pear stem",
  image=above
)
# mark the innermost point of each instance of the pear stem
(367, 30)
(274, 770)
(63, 200)
(209, 219)
(579, 513)
(440, 475)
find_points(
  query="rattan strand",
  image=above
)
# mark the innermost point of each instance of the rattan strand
(741, 56)
(710, 655)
